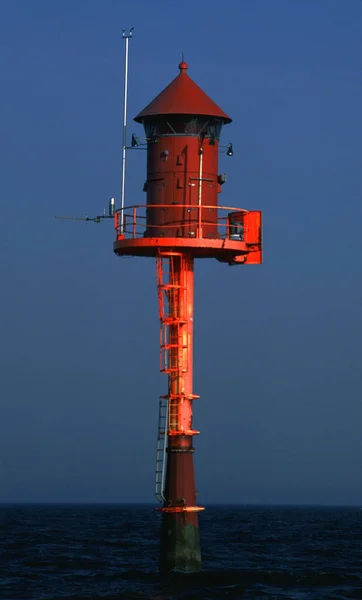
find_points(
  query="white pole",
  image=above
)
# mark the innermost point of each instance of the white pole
(126, 37)
(201, 152)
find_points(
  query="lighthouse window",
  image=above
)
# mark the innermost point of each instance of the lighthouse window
(150, 129)
(213, 130)
(183, 125)
(193, 126)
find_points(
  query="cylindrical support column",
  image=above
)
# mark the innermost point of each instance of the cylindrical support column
(180, 540)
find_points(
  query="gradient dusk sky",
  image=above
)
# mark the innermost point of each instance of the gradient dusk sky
(277, 347)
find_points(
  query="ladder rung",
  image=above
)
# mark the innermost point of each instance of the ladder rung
(169, 321)
(168, 346)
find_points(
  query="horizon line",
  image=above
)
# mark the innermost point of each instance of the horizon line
(151, 504)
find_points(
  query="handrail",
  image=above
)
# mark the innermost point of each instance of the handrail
(216, 206)
(133, 224)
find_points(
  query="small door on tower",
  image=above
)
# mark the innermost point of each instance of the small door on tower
(155, 216)
(209, 214)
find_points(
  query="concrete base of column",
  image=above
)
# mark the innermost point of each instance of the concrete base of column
(180, 543)
(180, 538)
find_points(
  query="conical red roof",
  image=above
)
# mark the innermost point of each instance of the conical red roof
(182, 97)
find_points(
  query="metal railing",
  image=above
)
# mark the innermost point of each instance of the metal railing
(135, 220)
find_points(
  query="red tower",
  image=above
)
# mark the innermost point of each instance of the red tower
(181, 221)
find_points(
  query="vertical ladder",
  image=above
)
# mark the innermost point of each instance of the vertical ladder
(161, 449)
(169, 296)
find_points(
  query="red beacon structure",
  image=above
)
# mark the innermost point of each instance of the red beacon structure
(180, 222)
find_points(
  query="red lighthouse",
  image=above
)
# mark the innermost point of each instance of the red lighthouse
(181, 221)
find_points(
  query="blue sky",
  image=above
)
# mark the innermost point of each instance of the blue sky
(278, 347)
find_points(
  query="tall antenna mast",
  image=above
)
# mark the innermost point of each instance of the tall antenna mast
(126, 35)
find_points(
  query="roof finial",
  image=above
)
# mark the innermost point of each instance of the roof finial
(183, 66)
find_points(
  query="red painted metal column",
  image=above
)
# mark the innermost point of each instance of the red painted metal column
(180, 541)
